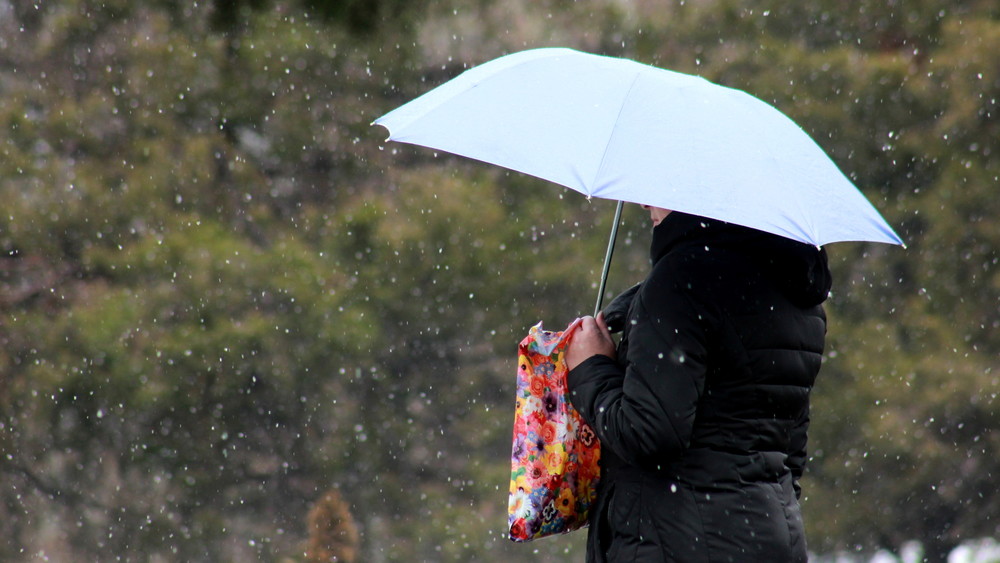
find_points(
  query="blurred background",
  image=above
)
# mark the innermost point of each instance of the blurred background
(236, 325)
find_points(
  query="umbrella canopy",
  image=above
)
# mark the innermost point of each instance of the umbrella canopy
(621, 130)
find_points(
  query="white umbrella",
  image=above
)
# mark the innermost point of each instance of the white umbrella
(621, 130)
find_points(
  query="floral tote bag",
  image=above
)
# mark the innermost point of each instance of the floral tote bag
(554, 462)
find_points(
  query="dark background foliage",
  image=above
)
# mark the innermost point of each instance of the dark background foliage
(223, 295)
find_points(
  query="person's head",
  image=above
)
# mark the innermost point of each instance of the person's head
(657, 214)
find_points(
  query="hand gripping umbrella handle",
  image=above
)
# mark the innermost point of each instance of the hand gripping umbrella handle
(607, 257)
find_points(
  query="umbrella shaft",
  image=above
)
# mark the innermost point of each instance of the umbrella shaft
(607, 257)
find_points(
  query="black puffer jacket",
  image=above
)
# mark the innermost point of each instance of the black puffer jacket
(703, 417)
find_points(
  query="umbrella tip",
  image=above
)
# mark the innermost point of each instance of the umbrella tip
(379, 122)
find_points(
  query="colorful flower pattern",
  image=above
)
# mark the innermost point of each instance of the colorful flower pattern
(555, 455)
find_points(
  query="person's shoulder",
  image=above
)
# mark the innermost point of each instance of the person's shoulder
(701, 266)
(690, 278)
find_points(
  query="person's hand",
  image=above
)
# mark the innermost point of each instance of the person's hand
(590, 338)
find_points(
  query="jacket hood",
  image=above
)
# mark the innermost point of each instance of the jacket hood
(800, 271)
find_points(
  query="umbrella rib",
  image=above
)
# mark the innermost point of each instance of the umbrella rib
(614, 126)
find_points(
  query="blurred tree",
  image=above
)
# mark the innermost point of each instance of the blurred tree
(200, 275)
(332, 533)
(221, 295)
(168, 339)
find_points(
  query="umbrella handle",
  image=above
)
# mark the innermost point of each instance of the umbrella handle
(607, 257)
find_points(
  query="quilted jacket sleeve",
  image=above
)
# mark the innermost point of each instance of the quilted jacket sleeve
(645, 409)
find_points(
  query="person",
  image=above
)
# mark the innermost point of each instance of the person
(702, 408)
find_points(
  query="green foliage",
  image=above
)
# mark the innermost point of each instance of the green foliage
(909, 394)
(221, 294)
